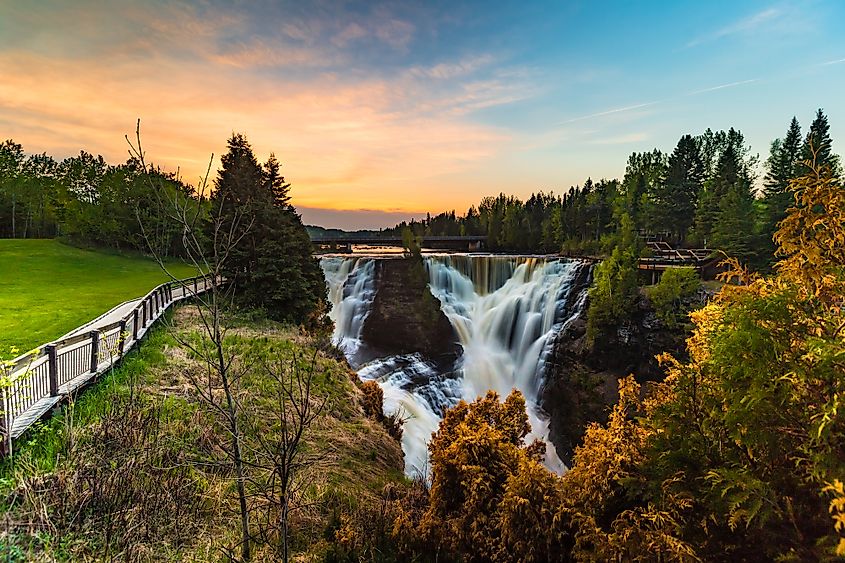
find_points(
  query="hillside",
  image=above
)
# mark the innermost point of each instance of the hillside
(137, 469)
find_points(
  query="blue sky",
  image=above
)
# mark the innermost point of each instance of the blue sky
(382, 111)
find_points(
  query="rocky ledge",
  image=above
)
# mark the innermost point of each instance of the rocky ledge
(406, 318)
(581, 380)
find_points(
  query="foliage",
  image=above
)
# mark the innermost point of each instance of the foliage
(490, 499)
(272, 265)
(741, 440)
(700, 195)
(811, 239)
(670, 296)
(737, 455)
(614, 293)
(145, 467)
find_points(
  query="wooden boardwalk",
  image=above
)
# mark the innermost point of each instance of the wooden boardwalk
(40, 379)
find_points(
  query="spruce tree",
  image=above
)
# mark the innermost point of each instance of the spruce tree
(782, 166)
(818, 141)
(272, 265)
(673, 199)
(733, 201)
(276, 182)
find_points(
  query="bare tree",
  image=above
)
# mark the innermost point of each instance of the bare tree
(208, 242)
(280, 455)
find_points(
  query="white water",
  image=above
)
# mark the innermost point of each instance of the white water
(351, 283)
(505, 310)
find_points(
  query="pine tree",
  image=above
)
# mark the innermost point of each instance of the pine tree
(673, 200)
(272, 266)
(782, 166)
(731, 179)
(817, 145)
(276, 182)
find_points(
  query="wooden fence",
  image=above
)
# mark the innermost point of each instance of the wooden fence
(38, 380)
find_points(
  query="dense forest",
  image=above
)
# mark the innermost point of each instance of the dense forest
(703, 195)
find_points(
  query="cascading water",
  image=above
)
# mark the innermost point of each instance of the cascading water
(505, 310)
(351, 283)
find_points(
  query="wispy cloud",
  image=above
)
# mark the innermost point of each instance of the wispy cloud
(748, 24)
(611, 111)
(836, 62)
(623, 139)
(348, 139)
(722, 86)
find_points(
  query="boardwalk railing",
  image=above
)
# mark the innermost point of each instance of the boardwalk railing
(39, 379)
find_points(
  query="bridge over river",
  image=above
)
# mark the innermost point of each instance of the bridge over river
(345, 243)
(662, 256)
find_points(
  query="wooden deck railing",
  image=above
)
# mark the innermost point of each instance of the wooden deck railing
(38, 380)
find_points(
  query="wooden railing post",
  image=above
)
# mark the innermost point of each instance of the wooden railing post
(6, 422)
(155, 303)
(195, 286)
(121, 337)
(135, 323)
(144, 310)
(53, 369)
(95, 350)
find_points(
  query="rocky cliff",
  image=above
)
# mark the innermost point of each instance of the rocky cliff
(581, 381)
(405, 317)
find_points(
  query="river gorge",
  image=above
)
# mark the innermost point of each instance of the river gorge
(452, 328)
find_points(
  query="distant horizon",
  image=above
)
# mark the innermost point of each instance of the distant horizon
(382, 112)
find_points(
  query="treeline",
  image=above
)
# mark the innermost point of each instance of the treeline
(737, 455)
(701, 195)
(87, 200)
(133, 206)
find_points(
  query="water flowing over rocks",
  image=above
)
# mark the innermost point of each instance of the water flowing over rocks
(405, 318)
(502, 315)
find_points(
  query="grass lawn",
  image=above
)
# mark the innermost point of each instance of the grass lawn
(48, 288)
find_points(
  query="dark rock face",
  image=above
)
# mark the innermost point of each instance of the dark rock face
(581, 382)
(405, 317)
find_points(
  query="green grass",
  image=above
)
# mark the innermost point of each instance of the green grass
(48, 288)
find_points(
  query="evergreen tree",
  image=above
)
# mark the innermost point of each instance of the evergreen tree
(782, 166)
(272, 266)
(732, 208)
(276, 182)
(673, 200)
(818, 141)
(731, 178)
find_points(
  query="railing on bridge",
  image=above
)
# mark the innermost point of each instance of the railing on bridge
(38, 380)
(471, 242)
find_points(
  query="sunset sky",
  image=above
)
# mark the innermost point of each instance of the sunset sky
(383, 111)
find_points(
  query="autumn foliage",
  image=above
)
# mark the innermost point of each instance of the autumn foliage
(739, 454)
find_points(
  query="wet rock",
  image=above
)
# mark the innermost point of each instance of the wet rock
(581, 381)
(405, 318)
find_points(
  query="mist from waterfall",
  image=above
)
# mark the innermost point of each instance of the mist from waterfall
(505, 310)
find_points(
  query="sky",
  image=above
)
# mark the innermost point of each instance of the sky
(383, 111)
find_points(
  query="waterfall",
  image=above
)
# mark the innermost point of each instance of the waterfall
(506, 311)
(351, 283)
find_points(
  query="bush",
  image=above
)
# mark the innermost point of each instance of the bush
(671, 296)
(613, 295)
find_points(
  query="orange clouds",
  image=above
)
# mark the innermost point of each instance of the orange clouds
(374, 143)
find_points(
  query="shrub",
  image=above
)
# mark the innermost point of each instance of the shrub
(613, 295)
(671, 296)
